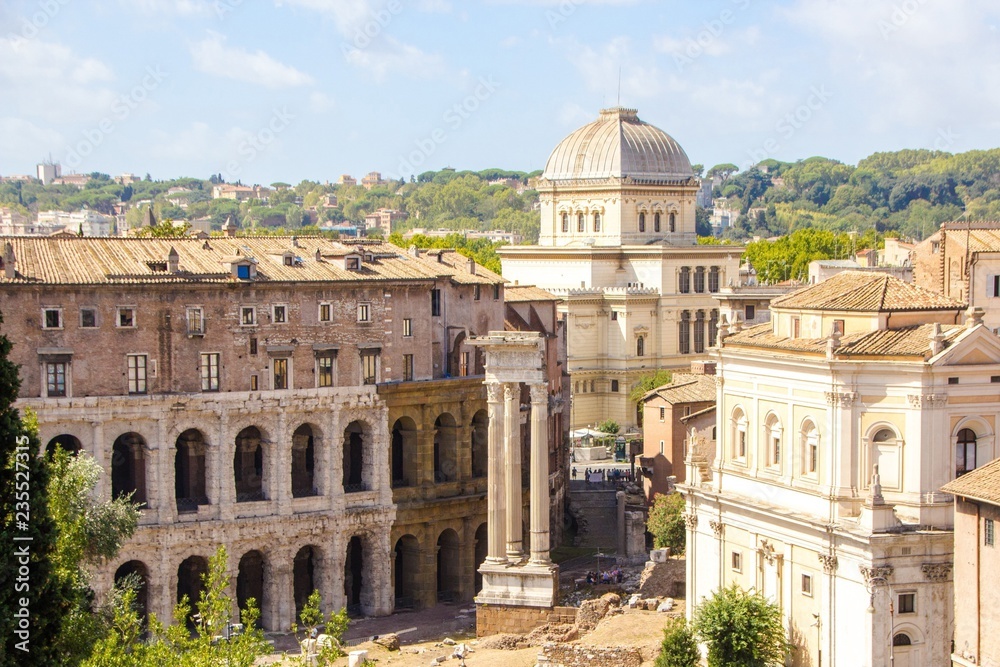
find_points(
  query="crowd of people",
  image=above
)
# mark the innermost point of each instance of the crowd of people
(605, 475)
(606, 577)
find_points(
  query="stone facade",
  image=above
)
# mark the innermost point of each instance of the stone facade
(313, 407)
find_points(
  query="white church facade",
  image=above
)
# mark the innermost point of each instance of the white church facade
(618, 246)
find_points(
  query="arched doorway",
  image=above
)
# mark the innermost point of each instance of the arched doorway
(445, 449)
(303, 462)
(353, 579)
(404, 453)
(305, 572)
(482, 548)
(448, 566)
(135, 574)
(68, 443)
(248, 465)
(480, 434)
(189, 471)
(250, 582)
(128, 467)
(190, 583)
(354, 447)
(405, 566)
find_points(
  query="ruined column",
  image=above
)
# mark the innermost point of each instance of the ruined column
(512, 459)
(495, 497)
(539, 474)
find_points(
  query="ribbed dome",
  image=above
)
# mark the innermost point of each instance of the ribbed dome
(619, 145)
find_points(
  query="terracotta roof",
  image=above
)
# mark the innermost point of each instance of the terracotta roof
(524, 293)
(911, 341)
(981, 484)
(96, 260)
(865, 291)
(980, 240)
(685, 388)
(691, 416)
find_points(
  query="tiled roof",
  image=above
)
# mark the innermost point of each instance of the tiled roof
(911, 341)
(525, 293)
(980, 484)
(865, 291)
(685, 388)
(95, 260)
(980, 240)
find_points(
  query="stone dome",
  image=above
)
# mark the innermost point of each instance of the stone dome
(619, 145)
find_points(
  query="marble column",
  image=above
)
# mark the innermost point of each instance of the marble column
(495, 497)
(512, 458)
(539, 474)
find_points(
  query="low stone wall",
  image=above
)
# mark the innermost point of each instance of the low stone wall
(570, 655)
(500, 619)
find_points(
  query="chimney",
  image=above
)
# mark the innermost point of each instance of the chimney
(295, 242)
(937, 339)
(832, 343)
(974, 316)
(723, 329)
(9, 261)
(472, 266)
(319, 255)
(148, 219)
(229, 227)
(414, 251)
(173, 260)
(703, 368)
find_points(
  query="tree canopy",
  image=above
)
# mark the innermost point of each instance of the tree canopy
(741, 629)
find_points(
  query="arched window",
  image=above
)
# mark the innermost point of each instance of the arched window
(965, 452)
(772, 436)
(597, 222)
(810, 448)
(640, 346)
(885, 447)
(565, 222)
(656, 222)
(684, 333)
(581, 223)
(699, 279)
(739, 434)
(672, 221)
(642, 222)
(902, 639)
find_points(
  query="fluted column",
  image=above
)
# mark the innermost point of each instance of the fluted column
(512, 460)
(539, 474)
(496, 496)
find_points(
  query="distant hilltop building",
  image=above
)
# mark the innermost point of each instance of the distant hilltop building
(90, 223)
(372, 179)
(48, 172)
(618, 246)
(76, 180)
(347, 179)
(240, 193)
(383, 219)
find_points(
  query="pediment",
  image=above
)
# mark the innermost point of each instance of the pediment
(978, 347)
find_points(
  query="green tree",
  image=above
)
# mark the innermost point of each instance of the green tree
(609, 426)
(648, 383)
(723, 171)
(741, 629)
(166, 229)
(679, 647)
(666, 522)
(28, 536)
(312, 619)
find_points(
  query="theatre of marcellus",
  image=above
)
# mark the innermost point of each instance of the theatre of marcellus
(316, 407)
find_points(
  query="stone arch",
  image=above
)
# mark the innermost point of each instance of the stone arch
(138, 573)
(455, 367)
(357, 455)
(739, 430)
(191, 582)
(445, 448)
(884, 443)
(66, 442)
(304, 461)
(449, 566)
(481, 550)
(404, 452)
(249, 471)
(810, 438)
(306, 569)
(480, 444)
(406, 571)
(772, 439)
(128, 467)
(250, 583)
(189, 471)
(354, 575)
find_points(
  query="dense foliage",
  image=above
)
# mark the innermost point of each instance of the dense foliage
(788, 257)
(741, 629)
(648, 383)
(679, 647)
(666, 522)
(481, 250)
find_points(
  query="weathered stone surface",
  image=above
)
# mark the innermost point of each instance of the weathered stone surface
(569, 655)
(591, 612)
(389, 641)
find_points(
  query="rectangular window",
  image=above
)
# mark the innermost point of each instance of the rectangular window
(52, 318)
(813, 456)
(210, 371)
(364, 312)
(407, 368)
(684, 286)
(195, 321)
(838, 326)
(325, 312)
(137, 364)
(407, 327)
(476, 292)
(279, 314)
(614, 315)
(55, 379)
(280, 374)
(713, 328)
(988, 536)
(253, 347)
(663, 414)
(907, 603)
(243, 272)
(699, 280)
(496, 292)
(324, 369)
(661, 448)
(248, 316)
(126, 317)
(807, 585)
(684, 333)
(463, 367)
(699, 333)
(614, 386)
(749, 313)
(435, 302)
(369, 367)
(737, 561)
(796, 322)
(713, 279)
(996, 286)
(253, 383)
(88, 318)
(741, 450)
(952, 380)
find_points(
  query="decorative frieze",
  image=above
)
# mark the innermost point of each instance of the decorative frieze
(717, 527)
(829, 563)
(927, 400)
(936, 571)
(841, 398)
(877, 573)
(768, 551)
(691, 521)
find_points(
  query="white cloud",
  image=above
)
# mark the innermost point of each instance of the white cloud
(21, 137)
(391, 56)
(321, 103)
(601, 67)
(211, 55)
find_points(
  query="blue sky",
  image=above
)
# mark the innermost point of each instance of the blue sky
(267, 90)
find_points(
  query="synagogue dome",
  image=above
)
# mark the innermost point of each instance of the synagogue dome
(619, 145)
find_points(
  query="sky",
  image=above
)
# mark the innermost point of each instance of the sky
(284, 90)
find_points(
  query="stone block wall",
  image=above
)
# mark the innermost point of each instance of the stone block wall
(501, 619)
